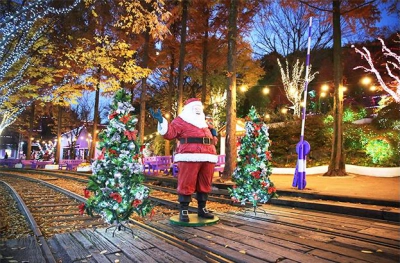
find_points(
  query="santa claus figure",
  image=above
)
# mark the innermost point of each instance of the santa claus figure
(195, 155)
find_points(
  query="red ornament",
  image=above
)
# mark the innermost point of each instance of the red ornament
(268, 155)
(81, 208)
(131, 134)
(117, 197)
(86, 193)
(112, 115)
(136, 202)
(112, 152)
(256, 174)
(271, 190)
(152, 213)
(124, 119)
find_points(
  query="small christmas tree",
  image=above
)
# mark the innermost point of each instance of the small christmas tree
(251, 176)
(117, 177)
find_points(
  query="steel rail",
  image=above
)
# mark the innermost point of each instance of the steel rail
(46, 252)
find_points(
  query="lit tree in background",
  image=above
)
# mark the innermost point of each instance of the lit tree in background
(392, 66)
(117, 174)
(20, 31)
(251, 176)
(293, 83)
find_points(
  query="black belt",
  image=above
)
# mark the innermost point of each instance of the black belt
(202, 140)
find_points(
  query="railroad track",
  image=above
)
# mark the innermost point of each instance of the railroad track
(51, 210)
(165, 196)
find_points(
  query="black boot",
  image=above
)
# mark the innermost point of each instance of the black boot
(201, 208)
(184, 201)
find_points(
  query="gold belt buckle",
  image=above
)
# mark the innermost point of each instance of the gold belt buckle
(206, 140)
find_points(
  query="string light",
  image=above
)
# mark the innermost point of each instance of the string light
(17, 37)
(293, 83)
(392, 63)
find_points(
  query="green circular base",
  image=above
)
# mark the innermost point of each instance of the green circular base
(194, 220)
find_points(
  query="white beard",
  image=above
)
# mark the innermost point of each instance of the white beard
(189, 116)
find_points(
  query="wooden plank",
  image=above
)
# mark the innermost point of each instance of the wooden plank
(91, 248)
(73, 249)
(59, 253)
(385, 233)
(175, 231)
(118, 257)
(366, 245)
(316, 233)
(267, 227)
(334, 257)
(283, 213)
(321, 245)
(127, 237)
(131, 251)
(231, 232)
(99, 241)
(226, 252)
(238, 246)
(23, 249)
(160, 256)
(296, 252)
(168, 248)
(261, 242)
(315, 221)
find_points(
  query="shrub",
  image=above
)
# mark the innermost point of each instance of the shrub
(351, 114)
(388, 117)
(380, 150)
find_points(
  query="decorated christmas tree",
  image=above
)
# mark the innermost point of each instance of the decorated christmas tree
(116, 183)
(251, 176)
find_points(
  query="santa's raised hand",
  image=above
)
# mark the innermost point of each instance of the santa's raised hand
(156, 115)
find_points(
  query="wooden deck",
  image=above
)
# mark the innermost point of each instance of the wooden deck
(280, 235)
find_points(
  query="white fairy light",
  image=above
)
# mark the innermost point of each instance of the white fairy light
(293, 83)
(17, 37)
(391, 67)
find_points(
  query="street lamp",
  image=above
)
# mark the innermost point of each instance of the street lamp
(366, 80)
(324, 93)
(325, 87)
(243, 88)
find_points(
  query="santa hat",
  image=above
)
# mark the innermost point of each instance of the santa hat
(193, 102)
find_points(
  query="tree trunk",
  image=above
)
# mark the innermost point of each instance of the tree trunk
(31, 122)
(337, 163)
(205, 57)
(231, 147)
(143, 95)
(182, 54)
(95, 120)
(171, 95)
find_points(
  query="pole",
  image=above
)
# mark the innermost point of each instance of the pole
(303, 147)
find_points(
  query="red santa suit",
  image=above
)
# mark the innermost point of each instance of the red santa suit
(196, 154)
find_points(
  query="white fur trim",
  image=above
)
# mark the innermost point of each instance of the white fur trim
(196, 157)
(162, 128)
(193, 103)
